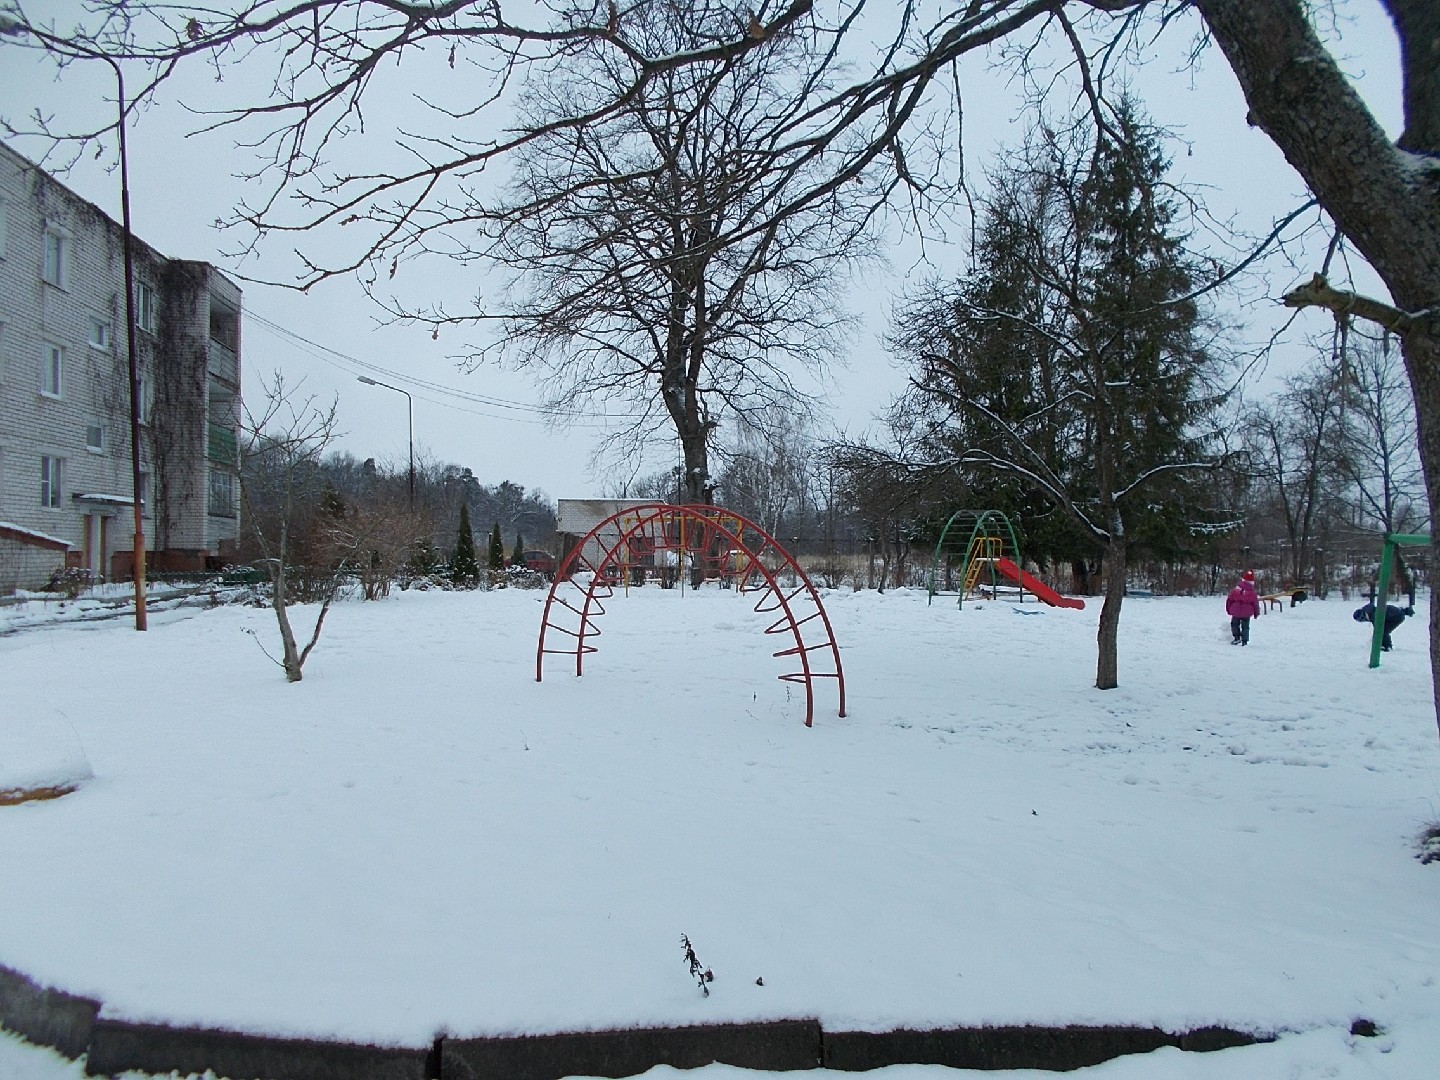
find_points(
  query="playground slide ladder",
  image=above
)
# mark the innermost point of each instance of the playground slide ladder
(983, 550)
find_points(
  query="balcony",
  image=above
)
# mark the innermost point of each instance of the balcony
(224, 446)
(223, 363)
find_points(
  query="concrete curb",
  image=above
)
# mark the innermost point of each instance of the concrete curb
(777, 1046)
(71, 1024)
(44, 1016)
(118, 1047)
(1055, 1049)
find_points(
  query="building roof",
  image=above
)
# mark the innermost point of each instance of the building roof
(11, 531)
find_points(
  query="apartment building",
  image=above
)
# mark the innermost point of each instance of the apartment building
(66, 479)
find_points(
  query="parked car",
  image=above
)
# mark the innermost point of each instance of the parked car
(542, 562)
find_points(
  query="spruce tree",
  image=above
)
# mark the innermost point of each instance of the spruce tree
(517, 557)
(1073, 358)
(464, 570)
(497, 549)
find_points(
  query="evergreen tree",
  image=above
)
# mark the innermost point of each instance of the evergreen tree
(517, 557)
(496, 557)
(1072, 360)
(464, 570)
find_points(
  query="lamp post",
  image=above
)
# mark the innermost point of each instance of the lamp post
(59, 45)
(410, 411)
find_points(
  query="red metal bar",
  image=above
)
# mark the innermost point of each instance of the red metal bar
(656, 526)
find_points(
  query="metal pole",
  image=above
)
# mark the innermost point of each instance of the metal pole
(134, 371)
(410, 414)
(410, 417)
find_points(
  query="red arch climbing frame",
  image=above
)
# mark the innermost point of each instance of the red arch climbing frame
(719, 544)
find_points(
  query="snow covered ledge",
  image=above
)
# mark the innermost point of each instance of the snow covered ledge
(73, 1025)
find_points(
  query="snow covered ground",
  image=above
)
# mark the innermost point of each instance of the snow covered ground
(421, 838)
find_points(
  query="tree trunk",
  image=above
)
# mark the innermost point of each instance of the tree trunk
(1385, 200)
(290, 653)
(1422, 359)
(1107, 664)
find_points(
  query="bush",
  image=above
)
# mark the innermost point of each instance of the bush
(70, 581)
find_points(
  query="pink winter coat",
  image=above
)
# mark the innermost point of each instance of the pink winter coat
(1243, 602)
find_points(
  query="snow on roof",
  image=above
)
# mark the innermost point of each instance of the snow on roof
(117, 500)
(11, 531)
(579, 516)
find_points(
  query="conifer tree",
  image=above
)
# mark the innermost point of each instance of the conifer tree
(1075, 358)
(517, 557)
(464, 570)
(496, 559)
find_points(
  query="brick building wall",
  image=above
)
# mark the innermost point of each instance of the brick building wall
(65, 459)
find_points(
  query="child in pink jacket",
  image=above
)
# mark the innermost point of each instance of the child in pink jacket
(1242, 605)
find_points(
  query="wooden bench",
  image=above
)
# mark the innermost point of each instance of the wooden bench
(1274, 601)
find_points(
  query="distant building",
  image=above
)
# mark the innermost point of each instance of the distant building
(65, 462)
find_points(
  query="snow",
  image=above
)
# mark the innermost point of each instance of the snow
(22, 532)
(40, 751)
(420, 838)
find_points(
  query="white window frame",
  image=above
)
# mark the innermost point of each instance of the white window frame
(100, 334)
(57, 251)
(52, 481)
(228, 507)
(147, 308)
(147, 397)
(3, 354)
(52, 370)
(4, 226)
(95, 438)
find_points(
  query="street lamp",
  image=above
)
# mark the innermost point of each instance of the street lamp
(59, 45)
(410, 409)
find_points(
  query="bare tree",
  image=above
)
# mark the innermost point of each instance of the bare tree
(282, 485)
(1292, 443)
(641, 277)
(1380, 456)
(768, 473)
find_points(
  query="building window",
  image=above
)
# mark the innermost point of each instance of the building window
(52, 480)
(56, 267)
(4, 225)
(52, 370)
(146, 391)
(100, 333)
(95, 438)
(222, 493)
(2, 352)
(147, 311)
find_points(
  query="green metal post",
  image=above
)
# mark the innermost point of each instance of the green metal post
(1382, 597)
(1382, 585)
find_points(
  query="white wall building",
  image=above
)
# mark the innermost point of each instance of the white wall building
(65, 461)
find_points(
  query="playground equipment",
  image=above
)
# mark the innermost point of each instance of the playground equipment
(985, 550)
(1035, 585)
(985, 534)
(1382, 585)
(703, 543)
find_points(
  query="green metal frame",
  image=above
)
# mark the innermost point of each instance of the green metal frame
(1382, 585)
(986, 520)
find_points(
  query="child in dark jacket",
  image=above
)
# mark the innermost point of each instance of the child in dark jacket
(1242, 605)
(1394, 616)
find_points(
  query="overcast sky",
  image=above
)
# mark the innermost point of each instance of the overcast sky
(486, 419)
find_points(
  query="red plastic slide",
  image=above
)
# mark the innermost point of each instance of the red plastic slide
(1038, 587)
